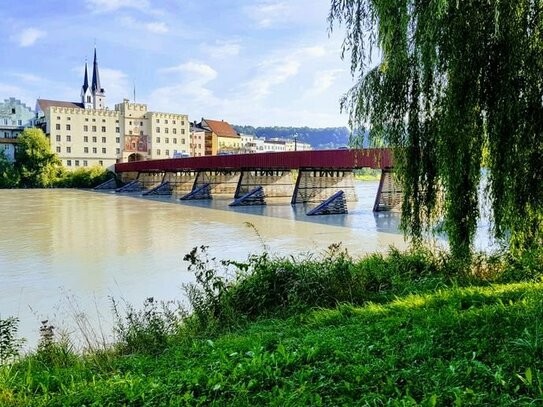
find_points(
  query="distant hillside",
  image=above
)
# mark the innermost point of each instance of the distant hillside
(319, 138)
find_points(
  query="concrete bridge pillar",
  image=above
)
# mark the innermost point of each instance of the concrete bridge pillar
(182, 182)
(221, 182)
(150, 179)
(389, 194)
(317, 185)
(275, 183)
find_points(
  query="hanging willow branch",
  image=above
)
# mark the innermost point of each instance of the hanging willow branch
(457, 80)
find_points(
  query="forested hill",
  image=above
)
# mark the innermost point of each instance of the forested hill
(329, 137)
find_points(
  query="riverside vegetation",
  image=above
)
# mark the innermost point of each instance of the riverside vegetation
(406, 328)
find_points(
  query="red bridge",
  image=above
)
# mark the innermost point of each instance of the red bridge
(253, 178)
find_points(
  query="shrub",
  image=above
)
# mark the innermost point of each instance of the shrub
(9, 343)
(84, 177)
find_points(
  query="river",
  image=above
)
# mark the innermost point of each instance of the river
(64, 253)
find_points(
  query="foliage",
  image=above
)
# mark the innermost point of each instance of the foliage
(8, 175)
(9, 343)
(84, 177)
(448, 345)
(145, 331)
(456, 79)
(37, 166)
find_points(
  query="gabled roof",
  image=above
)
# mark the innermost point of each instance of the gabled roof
(43, 104)
(219, 127)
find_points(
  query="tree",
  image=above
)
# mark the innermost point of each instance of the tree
(36, 165)
(456, 78)
(8, 175)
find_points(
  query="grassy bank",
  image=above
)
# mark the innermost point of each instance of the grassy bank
(405, 329)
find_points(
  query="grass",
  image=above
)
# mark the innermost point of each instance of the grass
(407, 329)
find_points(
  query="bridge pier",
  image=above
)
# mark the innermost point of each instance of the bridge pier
(220, 182)
(389, 194)
(182, 182)
(275, 183)
(317, 185)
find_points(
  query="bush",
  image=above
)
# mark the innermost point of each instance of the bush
(9, 343)
(84, 177)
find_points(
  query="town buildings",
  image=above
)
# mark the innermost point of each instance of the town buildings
(87, 133)
(14, 117)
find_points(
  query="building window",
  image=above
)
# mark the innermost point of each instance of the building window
(68, 138)
(103, 129)
(69, 163)
(68, 149)
(85, 149)
(86, 139)
(141, 132)
(158, 139)
(166, 130)
(158, 120)
(85, 128)
(19, 122)
(68, 127)
(166, 121)
(173, 121)
(100, 163)
(77, 163)
(58, 137)
(58, 117)
(116, 121)
(118, 151)
(57, 126)
(182, 141)
(103, 150)
(167, 140)
(94, 150)
(141, 123)
(168, 153)
(117, 129)
(94, 129)
(85, 163)
(158, 129)
(130, 122)
(103, 120)
(174, 131)
(86, 119)
(94, 139)
(93, 120)
(103, 139)
(182, 123)
(157, 152)
(175, 141)
(58, 149)
(182, 131)
(88, 99)
(117, 140)
(68, 118)
(130, 132)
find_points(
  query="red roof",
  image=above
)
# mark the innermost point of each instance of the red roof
(220, 128)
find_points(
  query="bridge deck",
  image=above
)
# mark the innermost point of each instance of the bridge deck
(377, 158)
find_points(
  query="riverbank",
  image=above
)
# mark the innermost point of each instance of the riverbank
(405, 328)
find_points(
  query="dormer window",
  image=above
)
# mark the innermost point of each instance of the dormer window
(88, 99)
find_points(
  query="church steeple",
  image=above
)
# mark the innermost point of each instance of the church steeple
(97, 90)
(86, 95)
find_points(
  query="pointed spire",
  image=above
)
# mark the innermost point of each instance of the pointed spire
(85, 79)
(96, 87)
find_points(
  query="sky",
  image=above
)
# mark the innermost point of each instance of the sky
(250, 62)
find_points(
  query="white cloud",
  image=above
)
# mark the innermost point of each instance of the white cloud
(323, 80)
(157, 27)
(267, 13)
(222, 49)
(28, 37)
(100, 6)
(188, 86)
(116, 84)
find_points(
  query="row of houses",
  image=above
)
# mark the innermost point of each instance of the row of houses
(88, 133)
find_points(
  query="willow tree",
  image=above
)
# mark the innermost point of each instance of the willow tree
(454, 79)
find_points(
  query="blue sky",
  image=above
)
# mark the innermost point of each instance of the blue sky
(255, 62)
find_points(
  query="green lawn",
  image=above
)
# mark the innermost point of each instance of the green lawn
(450, 343)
